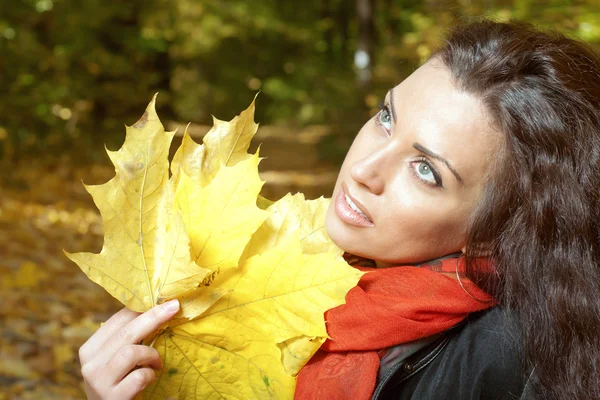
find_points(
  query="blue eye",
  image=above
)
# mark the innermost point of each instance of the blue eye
(384, 117)
(423, 170)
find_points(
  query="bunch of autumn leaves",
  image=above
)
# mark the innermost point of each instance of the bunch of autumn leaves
(253, 277)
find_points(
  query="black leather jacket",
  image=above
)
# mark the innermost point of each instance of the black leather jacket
(476, 360)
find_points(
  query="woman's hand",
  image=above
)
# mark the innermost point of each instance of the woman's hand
(111, 357)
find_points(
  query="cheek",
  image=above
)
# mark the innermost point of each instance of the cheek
(422, 218)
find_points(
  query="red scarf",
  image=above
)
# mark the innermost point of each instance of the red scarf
(389, 306)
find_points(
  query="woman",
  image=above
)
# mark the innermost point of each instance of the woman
(489, 151)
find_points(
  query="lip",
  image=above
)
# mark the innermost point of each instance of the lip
(347, 214)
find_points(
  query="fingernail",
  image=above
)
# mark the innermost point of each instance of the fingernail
(172, 305)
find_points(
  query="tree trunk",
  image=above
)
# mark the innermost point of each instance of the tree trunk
(392, 23)
(343, 16)
(328, 33)
(363, 57)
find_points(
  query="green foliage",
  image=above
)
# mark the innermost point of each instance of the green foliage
(72, 69)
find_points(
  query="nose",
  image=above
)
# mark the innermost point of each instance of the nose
(370, 171)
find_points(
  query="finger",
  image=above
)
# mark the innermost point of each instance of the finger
(130, 356)
(108, 329)
(136, 330)
(134, 383)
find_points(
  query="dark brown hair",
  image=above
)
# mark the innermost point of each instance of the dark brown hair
(540, 215)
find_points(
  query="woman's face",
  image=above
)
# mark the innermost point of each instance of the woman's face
(416, 170)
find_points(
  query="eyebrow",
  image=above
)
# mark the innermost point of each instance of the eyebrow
(430, 153)
(391, 93)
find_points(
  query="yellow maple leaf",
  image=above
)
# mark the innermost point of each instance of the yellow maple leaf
(222, 216)
(225, 144)
(145, 257)
(254, 277)
(272, 322)
(293, 214)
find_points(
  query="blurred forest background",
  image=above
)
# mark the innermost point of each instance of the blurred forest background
(73, 72)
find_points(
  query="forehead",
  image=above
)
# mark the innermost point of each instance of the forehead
(433, 112)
